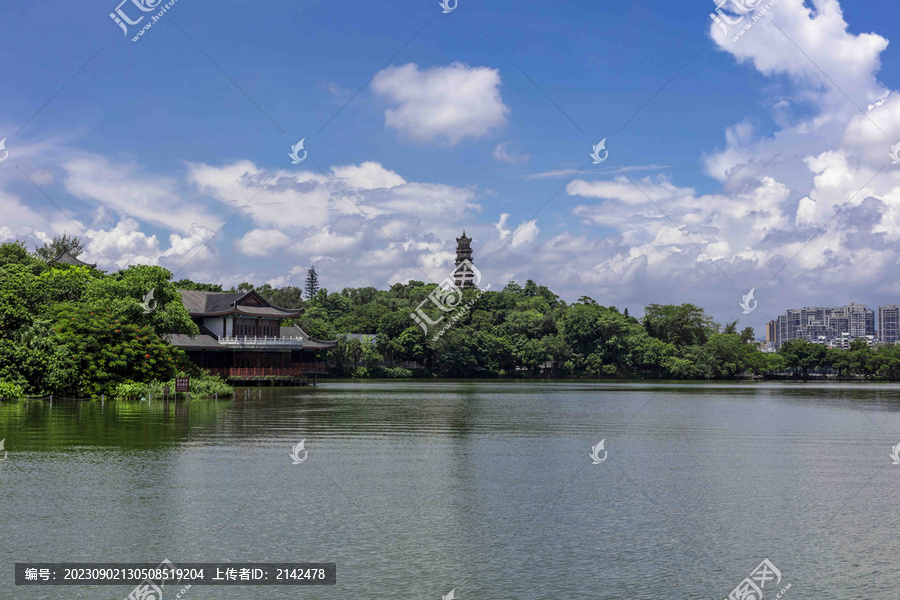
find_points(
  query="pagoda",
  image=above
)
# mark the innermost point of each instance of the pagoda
(464, 275)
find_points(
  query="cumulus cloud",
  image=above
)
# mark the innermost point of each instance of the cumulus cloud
(369, 175)
(812, 204)
(261, 242)
(447, 104)
(525, 233)
(125, 244)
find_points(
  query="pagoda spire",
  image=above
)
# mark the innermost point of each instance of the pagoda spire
(464, 275)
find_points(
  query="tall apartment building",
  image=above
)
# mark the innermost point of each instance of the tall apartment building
(889, 323)
(814, 323)
(772, 331)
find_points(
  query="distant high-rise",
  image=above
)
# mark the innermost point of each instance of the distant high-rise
(889, 323)
(464, 276)
(771, 331)
(817, 323)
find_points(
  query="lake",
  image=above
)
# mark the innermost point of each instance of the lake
(414, 489)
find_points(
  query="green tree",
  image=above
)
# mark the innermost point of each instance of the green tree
(59, 244)
(187, 284)
(455, 354)
(311, 287)
(107, 350)
(15, 253)
(681, 325)
(126, 294)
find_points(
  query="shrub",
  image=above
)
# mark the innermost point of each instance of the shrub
(130, 389)
(11, 391)
(204, 385)
(397, 373)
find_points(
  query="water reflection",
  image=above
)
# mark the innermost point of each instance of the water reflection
(418, 488)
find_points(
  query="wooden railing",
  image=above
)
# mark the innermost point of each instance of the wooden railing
(295, 370)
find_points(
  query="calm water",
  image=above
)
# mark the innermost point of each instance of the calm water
(417, 488)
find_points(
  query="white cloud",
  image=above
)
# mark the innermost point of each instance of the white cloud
(525, 233)
(851, 61)
(125, 244)
(269, 199)
(261, 242)
(625, 190)
(128, 190)
(442, 103)
(501, 226)
(502, 154)
(334, 89)
(369, 175)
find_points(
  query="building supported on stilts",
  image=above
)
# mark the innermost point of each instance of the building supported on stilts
(243, 340)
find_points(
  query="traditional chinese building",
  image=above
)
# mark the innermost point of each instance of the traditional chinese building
(242, 338)
(65, 258)
(464, 276)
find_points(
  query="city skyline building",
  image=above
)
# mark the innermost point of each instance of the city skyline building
(889, 323)
(820, 324)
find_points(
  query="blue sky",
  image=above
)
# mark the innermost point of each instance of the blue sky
(746, 149)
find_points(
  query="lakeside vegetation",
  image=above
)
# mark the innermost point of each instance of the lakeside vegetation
(76, 331)
(528, 331)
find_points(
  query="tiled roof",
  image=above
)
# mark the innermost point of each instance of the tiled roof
(220, 303)
(186, 342)
(67, 259)
(308, 342)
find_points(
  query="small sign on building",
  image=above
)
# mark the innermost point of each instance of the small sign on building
(182, 384)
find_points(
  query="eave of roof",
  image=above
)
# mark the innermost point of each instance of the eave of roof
(67, 259)
(201, 342)
(216, 304)
(309, 343)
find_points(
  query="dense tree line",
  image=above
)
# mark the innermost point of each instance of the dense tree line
(528, 330)
(78, 331)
